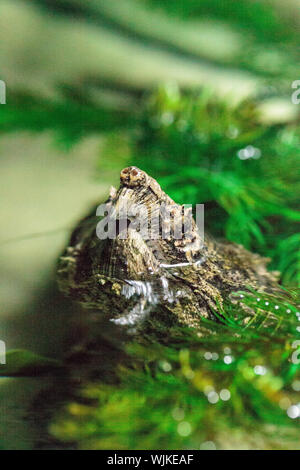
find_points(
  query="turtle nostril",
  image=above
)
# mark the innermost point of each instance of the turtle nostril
(125, 171)
(134, 173)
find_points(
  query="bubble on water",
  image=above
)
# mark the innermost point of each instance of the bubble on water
(184, 429)
(178, 414)
(293, 412)
(249, 152)
(213, 397)
(296, 385)
(227, 350)
(215, 356)
(228, 359)
(207, 355)
(225, 394)
(167, 118)
(260, 370)
(208, 445)
(165, 366)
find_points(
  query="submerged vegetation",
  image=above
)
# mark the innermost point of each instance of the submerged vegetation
(191, 392)
(237, 387)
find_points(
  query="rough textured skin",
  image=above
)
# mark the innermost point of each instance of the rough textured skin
(135, 281)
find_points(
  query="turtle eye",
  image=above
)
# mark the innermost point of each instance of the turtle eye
(132, 176)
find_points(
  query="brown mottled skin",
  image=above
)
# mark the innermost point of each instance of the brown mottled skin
(132, 280)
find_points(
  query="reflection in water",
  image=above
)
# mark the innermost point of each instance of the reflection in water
(149, 294)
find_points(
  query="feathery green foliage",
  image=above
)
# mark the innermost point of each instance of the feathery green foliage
(71, 119)
(201, 150)
(238, 386)
(242, 379)
(205, 151)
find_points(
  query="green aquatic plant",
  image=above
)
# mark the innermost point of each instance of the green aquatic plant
(190, 393)
(203, 150)
(235, 384)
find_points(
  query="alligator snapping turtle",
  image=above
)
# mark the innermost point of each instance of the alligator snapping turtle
(165, 280)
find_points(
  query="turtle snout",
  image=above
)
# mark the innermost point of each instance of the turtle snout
(132, 176)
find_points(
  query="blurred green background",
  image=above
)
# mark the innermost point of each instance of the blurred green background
(197, 93)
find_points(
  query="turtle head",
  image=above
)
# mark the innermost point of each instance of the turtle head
(133, 177)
